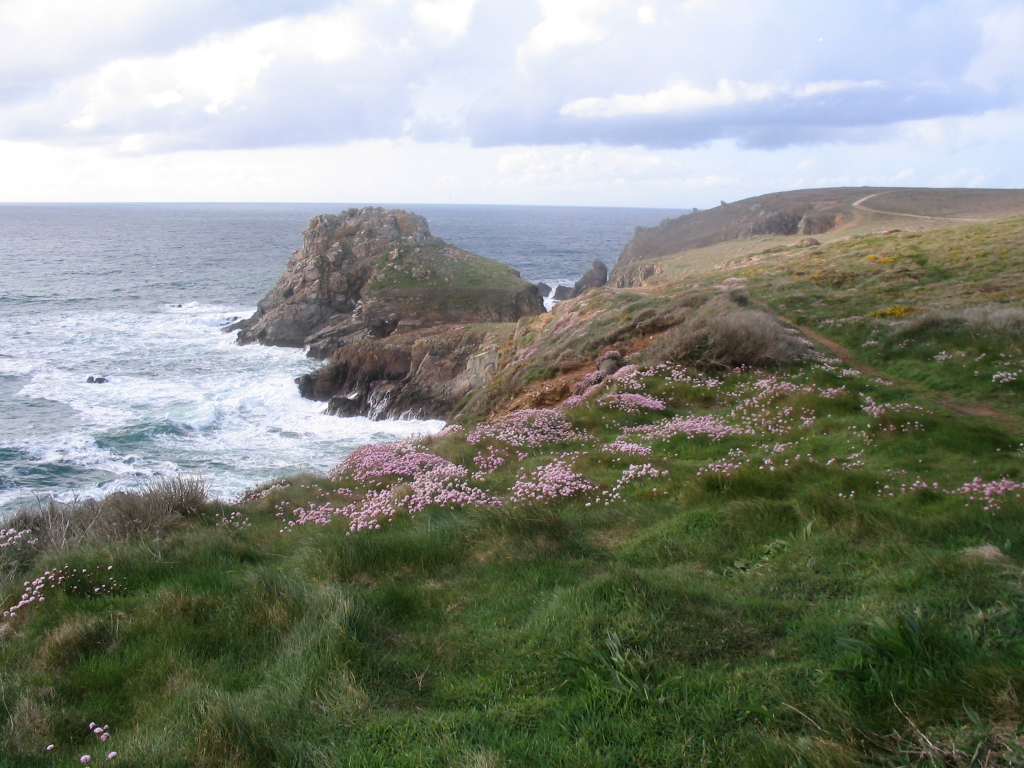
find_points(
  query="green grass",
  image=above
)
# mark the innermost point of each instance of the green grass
(868, 293)
(765, 618)
(439, 267)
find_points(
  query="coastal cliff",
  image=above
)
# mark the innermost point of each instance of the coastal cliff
(786, 217)
(387, 304)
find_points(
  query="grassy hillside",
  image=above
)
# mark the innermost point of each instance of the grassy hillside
(827, 214)
(682, 569)
(692, 561)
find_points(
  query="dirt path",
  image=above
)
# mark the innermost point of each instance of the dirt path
(946, 401)
(859, 205)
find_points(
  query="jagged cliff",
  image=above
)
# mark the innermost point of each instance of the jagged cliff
(388, 305)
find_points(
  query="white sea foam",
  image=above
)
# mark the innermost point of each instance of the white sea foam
(180, 396)
(550, 302)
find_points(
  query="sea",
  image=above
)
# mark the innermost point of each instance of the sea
(138, 294)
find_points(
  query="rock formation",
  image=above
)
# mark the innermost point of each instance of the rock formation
(373, 272)
(419, 374)
(386, 302)
(594, 277)
(563, 292)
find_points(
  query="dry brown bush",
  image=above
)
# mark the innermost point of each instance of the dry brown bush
(722, 333)
(146, 513)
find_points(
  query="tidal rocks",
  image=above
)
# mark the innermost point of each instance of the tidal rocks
(387, 303)
(96, 380)
(544, 290)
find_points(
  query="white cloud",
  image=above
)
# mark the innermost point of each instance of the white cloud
(213, 73)
(164, 98)
(544, 89)
(44, 32)
(410, 172)
(450, 17)
(1002, 53)
(566, 23)
(646, 14)
(683, 97)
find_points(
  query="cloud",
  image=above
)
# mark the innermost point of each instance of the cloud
(683, 97)
(451, 17)
(140, 76)
(45, 41)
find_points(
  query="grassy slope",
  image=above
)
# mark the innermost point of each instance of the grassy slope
(861, 292)
(797, 612)
(771, 617)
(449, 268)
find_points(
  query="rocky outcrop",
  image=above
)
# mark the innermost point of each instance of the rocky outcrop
(563, 292)
(594, 277)
(387, 304)
(420, 374)
(369, 273)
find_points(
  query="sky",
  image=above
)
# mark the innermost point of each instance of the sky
(635, 103)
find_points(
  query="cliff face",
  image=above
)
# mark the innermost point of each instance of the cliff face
(372, 272)
(420, 374)
(386, 303)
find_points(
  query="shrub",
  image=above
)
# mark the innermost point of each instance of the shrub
(145, 513)
(723, 335)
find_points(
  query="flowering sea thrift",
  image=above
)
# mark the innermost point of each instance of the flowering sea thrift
(633, 449)
(489, 461)
(77, 581)
(14, 538)
(631, 403)
(691, 426)
(248, 497)
(233, 520)
(555, 480)
(989, 493)
(530, 428)
(373, 462)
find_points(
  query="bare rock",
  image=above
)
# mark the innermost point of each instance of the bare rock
(594, 277)
(563, 292)
(420, 374)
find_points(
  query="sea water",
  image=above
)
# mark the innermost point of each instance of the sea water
(138, 294)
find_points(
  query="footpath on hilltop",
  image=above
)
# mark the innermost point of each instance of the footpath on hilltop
(662, 529)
